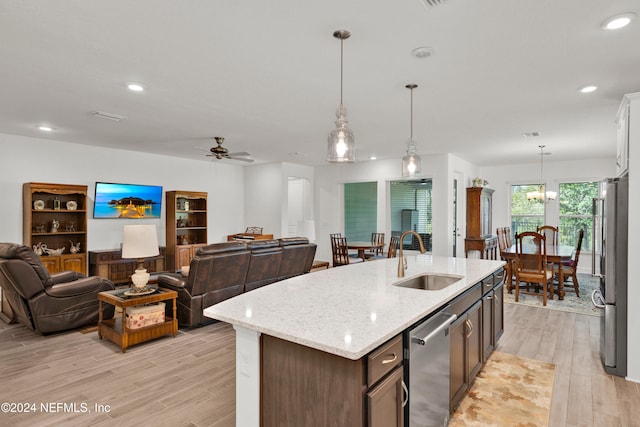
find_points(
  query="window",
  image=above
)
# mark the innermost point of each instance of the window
(526, 215)
(576, 200)
(411, 210)
(360, 210)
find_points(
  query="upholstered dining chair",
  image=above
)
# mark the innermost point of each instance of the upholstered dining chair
(550, 233)
(570, 268)
(531, 264)
(340, 252)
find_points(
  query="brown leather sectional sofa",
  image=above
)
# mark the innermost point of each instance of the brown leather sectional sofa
(223, 270)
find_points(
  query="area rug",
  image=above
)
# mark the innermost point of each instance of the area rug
(571, 303)
(508, 391)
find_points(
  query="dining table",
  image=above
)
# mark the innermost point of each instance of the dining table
(361, 247)
(556, 254)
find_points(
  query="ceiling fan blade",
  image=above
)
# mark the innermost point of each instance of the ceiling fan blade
(242, 153)
(242, 159)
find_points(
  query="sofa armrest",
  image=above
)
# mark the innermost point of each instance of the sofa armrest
(173, 281)
(66, 276)
(77, 287)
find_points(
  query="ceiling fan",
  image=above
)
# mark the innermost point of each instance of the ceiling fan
(219, 152)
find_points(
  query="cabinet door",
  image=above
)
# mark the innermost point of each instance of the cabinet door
(384, 402)
(52, 263)
(74, 263)
(183, 255)
(487, 325)
(498, 313)
(458, 376)
(474, 340)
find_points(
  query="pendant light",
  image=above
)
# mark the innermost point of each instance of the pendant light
(341, 143)
(411, 162)
(541, 195)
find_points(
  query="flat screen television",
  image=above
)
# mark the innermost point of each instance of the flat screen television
(127, 201)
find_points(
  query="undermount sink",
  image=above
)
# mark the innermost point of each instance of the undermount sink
(429, 282)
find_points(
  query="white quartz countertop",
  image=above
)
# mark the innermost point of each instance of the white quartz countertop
(349, 310)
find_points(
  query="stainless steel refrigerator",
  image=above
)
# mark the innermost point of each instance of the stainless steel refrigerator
(612, 212)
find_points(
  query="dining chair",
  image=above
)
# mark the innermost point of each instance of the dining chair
(501, 232)
(394, 244)
(570, 268)
(377, 239)
(549, 232)
(507, 236)
(340, 252)
(531, 264)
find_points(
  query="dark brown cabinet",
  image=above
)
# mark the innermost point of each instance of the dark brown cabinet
(304, 386)
(186, 223)
(466, 352)
(479, 229)
(55, 218)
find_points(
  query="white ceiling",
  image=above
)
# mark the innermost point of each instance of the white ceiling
(266, 75)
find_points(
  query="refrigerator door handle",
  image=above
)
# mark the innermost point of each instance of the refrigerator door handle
(596, 299)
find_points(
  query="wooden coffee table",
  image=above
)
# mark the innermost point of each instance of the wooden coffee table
(116, 329)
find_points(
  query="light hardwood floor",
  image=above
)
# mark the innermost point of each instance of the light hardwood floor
(189, 380)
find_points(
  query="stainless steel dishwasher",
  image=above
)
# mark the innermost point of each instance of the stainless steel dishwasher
(427, 366)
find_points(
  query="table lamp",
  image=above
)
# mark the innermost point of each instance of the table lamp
(140, 241)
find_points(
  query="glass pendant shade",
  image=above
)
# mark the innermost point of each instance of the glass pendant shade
(341, 143)
(411, 162)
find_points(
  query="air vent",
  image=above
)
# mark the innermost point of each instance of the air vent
(431, 3)
(108, 116)
(531, 134)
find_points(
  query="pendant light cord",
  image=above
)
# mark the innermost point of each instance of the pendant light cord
(411, 136)
(341, 66)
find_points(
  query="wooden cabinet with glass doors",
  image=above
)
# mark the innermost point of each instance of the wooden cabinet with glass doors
(186, 222)
(55, 224)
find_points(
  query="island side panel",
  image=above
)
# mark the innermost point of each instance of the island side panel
(301, 386)
(247, 377)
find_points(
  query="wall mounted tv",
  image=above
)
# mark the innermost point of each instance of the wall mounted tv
(127, 201)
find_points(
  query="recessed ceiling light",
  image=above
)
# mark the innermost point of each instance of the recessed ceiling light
(422, 52)
(372, 157)
(45, 128)
(618, 21)
(588, 89)
(135, 87)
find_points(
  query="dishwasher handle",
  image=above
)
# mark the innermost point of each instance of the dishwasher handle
(436, 331)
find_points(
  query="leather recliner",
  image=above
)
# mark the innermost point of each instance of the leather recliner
(221, 271)
(47, 302)
(216, 273)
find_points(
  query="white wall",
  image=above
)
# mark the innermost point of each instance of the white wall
(502, 177)
(633, 315)
(37, 160)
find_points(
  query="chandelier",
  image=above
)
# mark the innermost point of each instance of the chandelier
(540, 195)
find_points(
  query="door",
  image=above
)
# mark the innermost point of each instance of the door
(384, 402)
(458, 374)
(474, 340)
(487, 323)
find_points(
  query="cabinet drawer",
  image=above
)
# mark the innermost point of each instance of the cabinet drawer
(384, 359)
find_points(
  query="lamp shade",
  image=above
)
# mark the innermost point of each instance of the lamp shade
(140, 241)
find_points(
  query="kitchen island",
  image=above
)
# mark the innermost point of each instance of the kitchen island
(344, 313)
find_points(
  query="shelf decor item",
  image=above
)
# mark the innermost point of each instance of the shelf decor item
(140, 241)
(38, 205)
(72, 205)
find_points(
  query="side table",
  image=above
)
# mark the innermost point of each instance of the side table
(116, 329)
